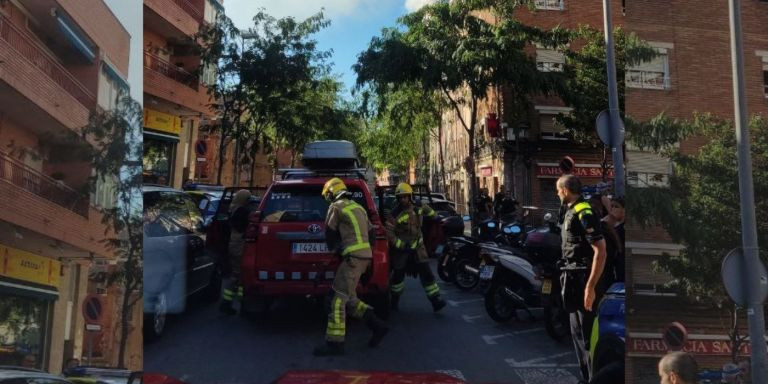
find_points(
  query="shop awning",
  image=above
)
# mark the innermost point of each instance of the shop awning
(160, 136)
(9, 286)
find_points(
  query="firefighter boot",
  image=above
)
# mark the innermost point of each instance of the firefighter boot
(377, 326)
(395, 302)
(330, 348)
(437, 303)
(226, 307)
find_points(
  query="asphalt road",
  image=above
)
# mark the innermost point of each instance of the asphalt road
(200, 346)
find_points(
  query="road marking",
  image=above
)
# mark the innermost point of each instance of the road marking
(471, 319)
(455, 373)
(456, 303)
(491, 339)
(546, 376)
(535, 363)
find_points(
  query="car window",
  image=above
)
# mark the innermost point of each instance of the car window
(297, 203)
(194, 213)
(45, 381)
(168, 214)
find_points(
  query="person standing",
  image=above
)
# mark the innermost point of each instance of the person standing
(406, 242)
(678, 368)
(582, 245)
(349, 233)
(238, 222)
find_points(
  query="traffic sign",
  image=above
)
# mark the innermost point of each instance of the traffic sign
(201, 148)
(93, 309)
(603, 125)
(675, 335)
(733, 272)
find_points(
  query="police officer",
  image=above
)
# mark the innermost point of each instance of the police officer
(406, 241)
(348, 232)
(238, 222)
(582, 244)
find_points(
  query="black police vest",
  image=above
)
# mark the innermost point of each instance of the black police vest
(574, 238)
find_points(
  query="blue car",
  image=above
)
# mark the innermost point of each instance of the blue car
(607, 347)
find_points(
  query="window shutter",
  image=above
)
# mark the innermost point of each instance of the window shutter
(647, 162)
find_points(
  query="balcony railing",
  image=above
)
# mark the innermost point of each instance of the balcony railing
(38, 57)
(647, 79)
(549, 4)
(190, 9)
(33, 181)
(173, 72)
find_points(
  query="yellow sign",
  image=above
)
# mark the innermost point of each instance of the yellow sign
(21, 265)
(162, 122)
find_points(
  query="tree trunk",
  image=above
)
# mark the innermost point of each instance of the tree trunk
(236, 160)
(293, 158)
(472, 174)
(222, 153)
(253, 167)
(425, 173)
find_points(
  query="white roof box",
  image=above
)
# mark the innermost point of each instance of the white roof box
(330, 154)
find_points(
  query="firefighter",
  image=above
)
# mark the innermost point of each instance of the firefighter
(405, 238)
(238, 222)
(582, 245)
(350, 234)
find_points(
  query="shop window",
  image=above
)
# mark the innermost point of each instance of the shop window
(652, 74)
(23, 329)
(157, 161)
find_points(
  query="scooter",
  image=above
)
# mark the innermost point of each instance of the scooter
(508, 283)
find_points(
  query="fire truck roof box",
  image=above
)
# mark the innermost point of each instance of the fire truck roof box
(330, 154)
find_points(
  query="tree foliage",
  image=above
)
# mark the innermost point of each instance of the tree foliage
(701, 209)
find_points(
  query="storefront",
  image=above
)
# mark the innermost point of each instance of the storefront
(548, 173)
(29, 287)
(161, 140)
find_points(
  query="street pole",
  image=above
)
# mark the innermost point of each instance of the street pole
(748, 229)
(613, 104)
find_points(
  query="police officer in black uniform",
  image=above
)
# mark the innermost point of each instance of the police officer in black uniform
(583, 245)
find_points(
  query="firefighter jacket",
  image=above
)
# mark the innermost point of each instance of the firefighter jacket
(404, 233)
(581, 229)
(348, 229)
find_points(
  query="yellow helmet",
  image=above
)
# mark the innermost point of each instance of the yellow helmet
(332, 188)
(403, 189)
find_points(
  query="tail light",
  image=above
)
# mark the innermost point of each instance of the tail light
(252, 231)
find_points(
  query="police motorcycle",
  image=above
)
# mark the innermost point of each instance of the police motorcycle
(607, 342)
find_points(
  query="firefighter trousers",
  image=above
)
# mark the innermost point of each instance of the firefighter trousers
(345, 300)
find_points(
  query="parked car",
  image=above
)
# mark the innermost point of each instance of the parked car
(19, 375)
(176, 261)
(101, 375)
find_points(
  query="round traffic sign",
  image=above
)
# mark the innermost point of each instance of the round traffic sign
(201, 148)
(93, 309)
(733, 271)
(675, 335)
(603, 125)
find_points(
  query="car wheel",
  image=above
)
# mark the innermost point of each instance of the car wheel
(154, 323)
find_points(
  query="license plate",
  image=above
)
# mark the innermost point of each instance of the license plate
(310, 248)
(546, 287)
(486, 272)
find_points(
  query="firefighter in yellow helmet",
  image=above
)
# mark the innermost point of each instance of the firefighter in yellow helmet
(349, 233)
(406, 242)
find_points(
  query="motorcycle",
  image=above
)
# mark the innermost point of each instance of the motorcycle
(508, 283)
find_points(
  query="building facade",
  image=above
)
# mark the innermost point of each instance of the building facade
(691, 74)
(60, 60)
(176, 99)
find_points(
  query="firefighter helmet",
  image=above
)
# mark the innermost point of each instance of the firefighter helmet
(332, 188)
(403, 189)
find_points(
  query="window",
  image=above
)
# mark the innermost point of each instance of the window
(111, 87)
(550, 129)
(209, 74)
(646, 169)
(765, 76)
(653, 74)
(549, 60)
(556, 5)
(211, 11)
(301, 203)
(105, 193)
(23, 330)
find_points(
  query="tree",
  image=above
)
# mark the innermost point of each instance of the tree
(700, 209)
(452, 48)
(116, 152)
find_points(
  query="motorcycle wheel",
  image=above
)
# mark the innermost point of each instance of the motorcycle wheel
(497, 305)
(557, 323)
(462, 278)
(444, 272)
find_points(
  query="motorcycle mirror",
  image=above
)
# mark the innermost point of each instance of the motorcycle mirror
(466, 218)
(548, 217)
(491, 225)
(507, 230)
(515, 229)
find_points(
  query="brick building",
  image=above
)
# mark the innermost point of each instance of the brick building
(60, 60)
(524, 159)
(692, 74)
(175, 96)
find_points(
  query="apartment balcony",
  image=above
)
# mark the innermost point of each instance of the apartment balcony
(173, 18)
(172, 83)
(27, 68)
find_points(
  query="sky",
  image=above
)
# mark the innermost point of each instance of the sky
(353, 23)
(130, 14)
